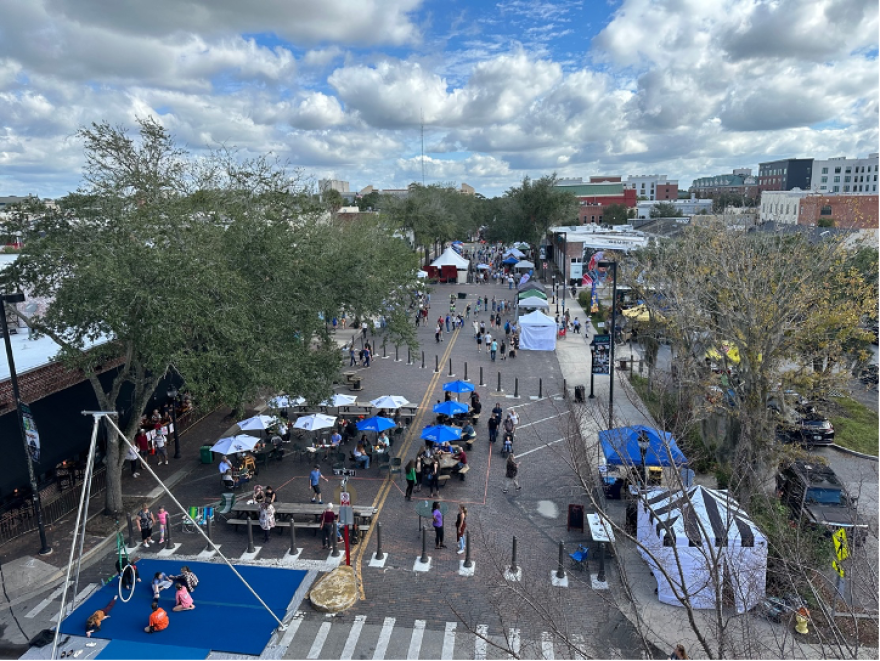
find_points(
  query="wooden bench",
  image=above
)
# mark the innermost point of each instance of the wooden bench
(349, 376)
(442, 480)
(463, 472)
(470, 444)
(475, 418)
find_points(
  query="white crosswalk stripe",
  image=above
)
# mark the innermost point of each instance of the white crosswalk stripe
(320, 639)
(48, 600)
(513, 640)
(480, 643)
(547, 646)
(384, 637)
(448, 641)
(353, 635)
(84, 594)
(415, 643)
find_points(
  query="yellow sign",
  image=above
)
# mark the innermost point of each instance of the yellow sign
(838, 568)
(840, 546)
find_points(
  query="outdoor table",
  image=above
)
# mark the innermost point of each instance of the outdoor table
(424, 509)
(291, 509)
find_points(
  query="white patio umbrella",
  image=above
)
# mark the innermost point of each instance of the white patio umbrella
(258, 422)
(283, 401)
(233, 444)
(340, 400)
(390, 402)
(315, 421)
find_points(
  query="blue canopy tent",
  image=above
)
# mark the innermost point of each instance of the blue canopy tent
(621, 447)
(510, 261)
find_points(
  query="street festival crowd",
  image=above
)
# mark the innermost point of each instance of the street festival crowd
(432, 465)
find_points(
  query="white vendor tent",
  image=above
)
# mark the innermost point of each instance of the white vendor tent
(452, 258)
(691, 534)
(537, 332)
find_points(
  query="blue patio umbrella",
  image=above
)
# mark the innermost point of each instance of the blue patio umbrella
(451, 408)
(375, 423)
(458, 386)
(441, 433)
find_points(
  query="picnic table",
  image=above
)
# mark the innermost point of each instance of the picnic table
(292, 509)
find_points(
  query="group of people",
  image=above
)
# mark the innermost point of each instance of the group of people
(460, 526)
(186, 583)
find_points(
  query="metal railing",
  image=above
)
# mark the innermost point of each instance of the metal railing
(20, 521)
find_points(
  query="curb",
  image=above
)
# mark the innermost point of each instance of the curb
(860, 455)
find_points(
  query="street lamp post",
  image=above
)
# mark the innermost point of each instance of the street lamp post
(45, 549)
(613, 266)
(172, 395)
(644, 444)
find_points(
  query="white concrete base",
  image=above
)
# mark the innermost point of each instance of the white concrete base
(378, 563)
(513, 576)
(558, 582)
(466, 571)
(290, 557)
(597, 584)
(164, 553)
(131, 550)
(338, 560)
(422, 566)
(250, 556)
(207, 554)
(451, 376)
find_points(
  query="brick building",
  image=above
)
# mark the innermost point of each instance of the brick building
(594, 198)
(845, 211)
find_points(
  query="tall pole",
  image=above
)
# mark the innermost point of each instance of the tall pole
(45, 549)
(172, 395)
(613, 333)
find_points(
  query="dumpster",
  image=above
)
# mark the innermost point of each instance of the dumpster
(205, 454)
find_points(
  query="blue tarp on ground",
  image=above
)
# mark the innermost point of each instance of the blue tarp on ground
(126, 649)
(621, 447)
(227, 617)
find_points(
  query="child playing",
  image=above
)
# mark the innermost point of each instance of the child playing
(162, 517)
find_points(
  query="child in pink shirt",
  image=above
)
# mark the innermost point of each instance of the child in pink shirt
(183, 600)
(162, 516)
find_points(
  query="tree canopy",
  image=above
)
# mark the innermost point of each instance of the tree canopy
(665, 210)
(219, 269)
(530, 209)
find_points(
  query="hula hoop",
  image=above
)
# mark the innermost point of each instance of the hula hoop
(133, 579)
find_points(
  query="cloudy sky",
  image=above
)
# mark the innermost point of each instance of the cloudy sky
(505, 88)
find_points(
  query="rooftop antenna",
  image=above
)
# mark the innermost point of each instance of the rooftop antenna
(422, 120)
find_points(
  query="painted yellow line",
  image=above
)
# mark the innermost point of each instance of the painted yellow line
(414, 432)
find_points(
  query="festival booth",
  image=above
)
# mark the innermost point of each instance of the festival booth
(694, 538)
(530, 284)
(448, 260)
(621, 447)
(537, 331)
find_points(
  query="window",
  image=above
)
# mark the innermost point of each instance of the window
(846, 189)
(824, 180)
(837, 170)
(836, 180)
(846, 179)
(848, 170)
(836, 189)
(824, 170)
(826, 211)
(823, 187)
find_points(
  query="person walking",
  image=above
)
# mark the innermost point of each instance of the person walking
(479, 342)
(315, 478)
(146, 519)
(134, 458)
(467, 311)
(328, 526)
(498, 320)
(410, 479)
(143, 444)
(419, 467)
(493, 350)
(488, 339)
(368, 353)
(437, 516)
(437, 331)
(448, 329)
(511, 470)
(435, 477)
(162, 518)
(503, 350)
(461, 528)
(493, 429)
(267, 518)
(352, 358)
(476, 326)
(159, 442)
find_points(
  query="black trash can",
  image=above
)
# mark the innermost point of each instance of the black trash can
(462, 294)
(579, 393)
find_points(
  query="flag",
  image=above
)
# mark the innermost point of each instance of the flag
(586, 281)
(524, 279)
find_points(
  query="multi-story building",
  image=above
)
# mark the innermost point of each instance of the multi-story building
(690, 207)
(841, 175)
(594, 198)
(849, 211)
(782, 207)
(740, 182)
(653, 186)
(785, 174)
(332, 184)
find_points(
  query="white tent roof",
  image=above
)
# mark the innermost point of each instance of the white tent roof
(519, 254)
(451, 258)
(536, 318)
(524, 264)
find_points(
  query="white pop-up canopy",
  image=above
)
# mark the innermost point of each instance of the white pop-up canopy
(537, 332)
(451, 258)
(699, 537)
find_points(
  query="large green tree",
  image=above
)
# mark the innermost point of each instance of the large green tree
(532, 208)
(616, 214)
(216, 268)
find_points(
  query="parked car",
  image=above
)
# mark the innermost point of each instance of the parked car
(816, 496)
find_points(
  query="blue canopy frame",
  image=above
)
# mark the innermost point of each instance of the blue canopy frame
(621, 447)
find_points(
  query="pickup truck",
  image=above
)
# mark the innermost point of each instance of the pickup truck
(815, 495)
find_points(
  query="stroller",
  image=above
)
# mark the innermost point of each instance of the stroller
(507, 447)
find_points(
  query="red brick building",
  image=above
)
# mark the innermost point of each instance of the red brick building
(847, 211)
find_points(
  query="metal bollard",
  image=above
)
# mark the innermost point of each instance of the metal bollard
(513, 557)
(292, 538)
(423, 360)
(209, 525)
(436, 364)
(335, 551)
(424, 558)
(250, 548)
(396, 353)
(379, 554)
(560, 573)
(601, 576)
(481, 377)
(467, 551)
(450, 367)
(130, 531)
(384, 355)
(564, 390)
(499, 382)
(408, 356)
(516, 387)
(465, 371)
(168, 542)
(540, 388)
